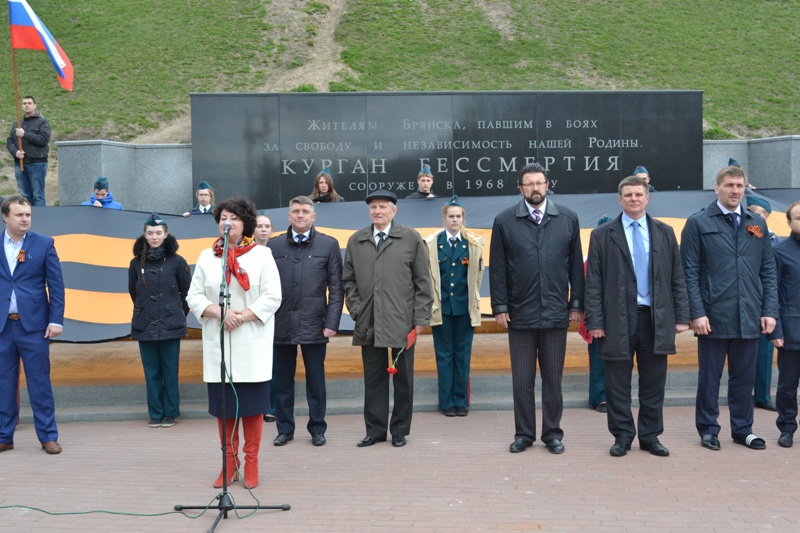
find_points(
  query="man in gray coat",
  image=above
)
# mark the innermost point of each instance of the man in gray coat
(388, 294)
(635, 304)
(536, 279)
(733, 300)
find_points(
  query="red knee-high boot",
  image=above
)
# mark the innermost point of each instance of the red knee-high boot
(253, 427)
(231, 453)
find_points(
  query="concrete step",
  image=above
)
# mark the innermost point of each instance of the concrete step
(489, 391)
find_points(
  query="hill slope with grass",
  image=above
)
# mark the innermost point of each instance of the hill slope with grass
(136, 61)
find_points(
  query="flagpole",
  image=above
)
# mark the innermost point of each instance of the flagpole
(16, 101)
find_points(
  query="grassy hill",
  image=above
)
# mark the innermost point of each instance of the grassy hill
(137, 60)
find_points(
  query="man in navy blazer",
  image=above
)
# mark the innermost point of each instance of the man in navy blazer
(733, 300)
(29, 270)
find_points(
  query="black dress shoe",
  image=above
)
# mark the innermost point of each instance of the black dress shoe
(520, 444)
(369, 441)
(282, 439)
(450, 411)
(555, 446)
(318, 439)
(655, 448)
(769, 406)
(785, 440)
(754, 442)
(269, 417)
(619, 449)
(710, 441)
(398, 441)
(601, 407)
(461, 411)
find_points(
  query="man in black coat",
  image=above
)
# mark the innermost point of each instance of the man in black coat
(310, 266)
(635, 303)
(733, 299)
(786, 336)
(536, 281)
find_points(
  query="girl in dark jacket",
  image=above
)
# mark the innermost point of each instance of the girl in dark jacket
(158, 280)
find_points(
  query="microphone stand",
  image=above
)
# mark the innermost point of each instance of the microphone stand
(225, 501)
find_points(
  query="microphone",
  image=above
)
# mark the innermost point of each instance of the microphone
(227, 228)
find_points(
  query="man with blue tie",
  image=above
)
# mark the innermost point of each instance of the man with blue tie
(456, 266)
(733, 299)
(636, 302)
(30, 272)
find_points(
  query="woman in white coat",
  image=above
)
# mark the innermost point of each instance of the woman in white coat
(248, 324)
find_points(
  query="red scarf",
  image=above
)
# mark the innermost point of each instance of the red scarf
(232, 264)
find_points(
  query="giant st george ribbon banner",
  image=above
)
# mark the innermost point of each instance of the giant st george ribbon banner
(96, 245)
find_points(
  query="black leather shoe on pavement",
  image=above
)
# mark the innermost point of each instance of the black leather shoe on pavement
(462, 411)
(785, 440)
(369, 441)
(520, 444)
(555, 446)
(710, 441)
(619, 449)
(282, 439)
(655, 448)
(449, 412)
(318, 439)
(601, 407)
(769, 406)
(398, 441)
(754, 442)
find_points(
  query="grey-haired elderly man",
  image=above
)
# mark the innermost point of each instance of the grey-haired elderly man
(388, 293)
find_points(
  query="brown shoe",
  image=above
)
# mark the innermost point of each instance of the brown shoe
(6, 447)
(51, 447)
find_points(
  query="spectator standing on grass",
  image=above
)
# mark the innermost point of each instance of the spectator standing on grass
(29, 144)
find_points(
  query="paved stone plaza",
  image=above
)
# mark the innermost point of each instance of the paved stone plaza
(456, 474)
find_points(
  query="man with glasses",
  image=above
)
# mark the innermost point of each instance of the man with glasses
(536, 279)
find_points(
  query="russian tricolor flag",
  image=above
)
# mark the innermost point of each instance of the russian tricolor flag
(28, 32)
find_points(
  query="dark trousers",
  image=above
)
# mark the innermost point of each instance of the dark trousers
(549, 347)
(34, 351)
(597, 380)
(652, 370)
(160, 363)
(761, 388)
(284, 366)
(452, 342)
(273, 397)
(376, 391)
(786, 397)
(741, 355)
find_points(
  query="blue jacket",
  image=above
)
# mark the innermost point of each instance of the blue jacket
(35, 276)
(787, 259)
(730, 278)
(108, 202)
(196, 210)
(311, 286)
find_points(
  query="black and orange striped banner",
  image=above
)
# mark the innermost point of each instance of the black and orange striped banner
(96, 245)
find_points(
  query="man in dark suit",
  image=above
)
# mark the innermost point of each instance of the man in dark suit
(733, 299)
(310, 266)
(30, 271)
(536, 280)
(635, 303)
